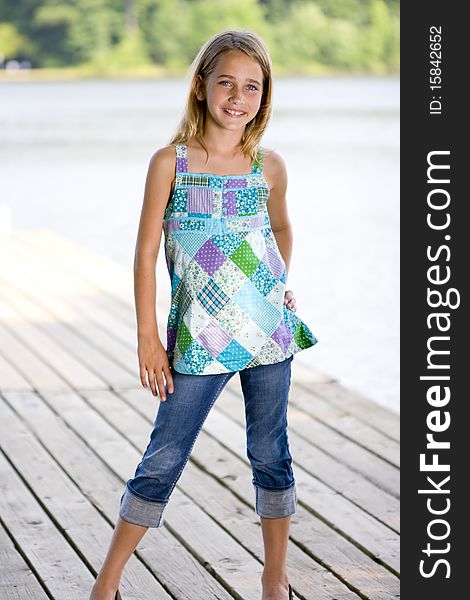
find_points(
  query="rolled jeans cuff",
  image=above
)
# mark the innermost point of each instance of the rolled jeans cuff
(141, 512)
(275, 504)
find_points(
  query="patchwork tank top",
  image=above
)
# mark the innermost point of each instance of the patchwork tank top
(228, 277)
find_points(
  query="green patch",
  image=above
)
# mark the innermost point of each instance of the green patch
(301, 337)
(245, 258)
(184, 338)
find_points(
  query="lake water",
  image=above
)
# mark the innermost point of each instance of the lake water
(74, 156)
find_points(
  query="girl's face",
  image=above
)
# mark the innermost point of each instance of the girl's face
(233, 91)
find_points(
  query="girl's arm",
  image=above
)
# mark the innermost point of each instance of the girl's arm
(152, 354)
(276, 173)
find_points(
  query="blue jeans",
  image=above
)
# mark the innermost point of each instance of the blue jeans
(176, 428)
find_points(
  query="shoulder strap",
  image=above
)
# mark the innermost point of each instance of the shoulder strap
(181, 158)
(257, 166)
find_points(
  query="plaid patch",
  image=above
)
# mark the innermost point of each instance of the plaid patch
(212, 298)
(182, 297)
(194, 179)
(263, 197)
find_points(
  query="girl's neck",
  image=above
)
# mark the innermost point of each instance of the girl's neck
(219, 161)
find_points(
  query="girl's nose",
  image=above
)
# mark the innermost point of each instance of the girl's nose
(236, 96)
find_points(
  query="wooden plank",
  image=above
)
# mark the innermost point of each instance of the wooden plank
(60, 569)
(35, 371)
(76, 518)
(338, 419)
(60, 291)
(31, 336)
(86, 265)
(80, 362)
(10, 377)
(383, 420)
(17, 580)
(330, 471)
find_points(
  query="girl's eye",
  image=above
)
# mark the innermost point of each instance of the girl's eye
(249, 85)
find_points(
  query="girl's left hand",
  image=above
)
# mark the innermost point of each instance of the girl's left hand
(289, 300)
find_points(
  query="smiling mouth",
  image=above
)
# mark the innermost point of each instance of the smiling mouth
(234, 113)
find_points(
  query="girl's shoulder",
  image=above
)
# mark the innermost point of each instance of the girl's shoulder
(162, 166)
(164, 159)
(274, 166)
(271, 157)
(165, 154)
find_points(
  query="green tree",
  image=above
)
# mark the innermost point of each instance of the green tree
(12, 43)
(380, 41)
(303, 35)
(174, 30)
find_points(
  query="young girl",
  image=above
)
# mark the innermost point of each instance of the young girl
(221, 200)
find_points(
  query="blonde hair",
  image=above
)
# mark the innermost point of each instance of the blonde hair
(192, 123)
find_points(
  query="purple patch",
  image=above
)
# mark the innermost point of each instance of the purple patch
(200, 200)
(274, 263)
(181, 164)
(214, 339)
(236, 183)
(210, 257)
(230, 205)
(171, 339)
(283, 336)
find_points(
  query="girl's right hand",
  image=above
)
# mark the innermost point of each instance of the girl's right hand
(153, 360)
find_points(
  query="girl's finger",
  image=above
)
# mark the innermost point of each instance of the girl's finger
(169, 380)
(143, 376)
(161, 386)
(151, 377)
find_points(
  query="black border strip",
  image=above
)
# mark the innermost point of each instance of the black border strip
(434, 271)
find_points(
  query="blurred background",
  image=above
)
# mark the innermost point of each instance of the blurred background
(89, 89)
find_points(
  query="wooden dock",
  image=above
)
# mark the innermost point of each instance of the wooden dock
(75, 420)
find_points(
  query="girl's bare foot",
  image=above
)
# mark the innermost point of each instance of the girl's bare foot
(275, 587)
(103, 591)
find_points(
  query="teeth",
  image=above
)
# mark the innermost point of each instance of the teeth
(232, 112)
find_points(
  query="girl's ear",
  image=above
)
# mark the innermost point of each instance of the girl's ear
(199, 88)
